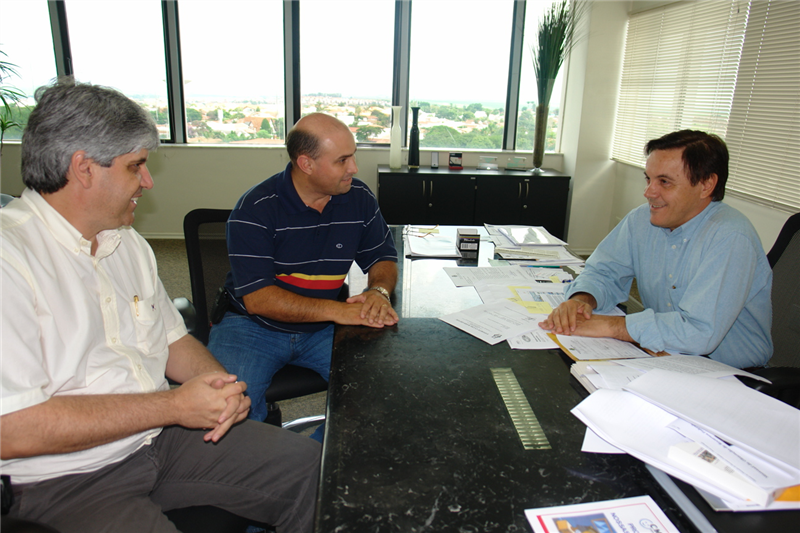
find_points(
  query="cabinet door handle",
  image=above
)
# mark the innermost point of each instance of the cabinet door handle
(431, 193)
(519, 194)
(423, 188)
(527, 189)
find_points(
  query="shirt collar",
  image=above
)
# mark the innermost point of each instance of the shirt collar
(291, 198)
(688, 229)
(65, 233)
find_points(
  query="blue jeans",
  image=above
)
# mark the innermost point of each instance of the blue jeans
(254, 354)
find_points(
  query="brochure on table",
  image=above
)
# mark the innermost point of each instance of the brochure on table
(627, 514)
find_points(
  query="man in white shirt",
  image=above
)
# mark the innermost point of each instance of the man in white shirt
(92, 436)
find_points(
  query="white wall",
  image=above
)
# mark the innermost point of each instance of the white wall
(592, 85)
(190, 176)
(604, 191)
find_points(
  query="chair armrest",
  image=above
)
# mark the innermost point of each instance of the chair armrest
(188, 312)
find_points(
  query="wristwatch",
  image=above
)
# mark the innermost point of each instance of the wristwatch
(381, 290)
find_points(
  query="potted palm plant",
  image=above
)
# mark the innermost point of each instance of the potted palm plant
(555, 38)
(9, 98)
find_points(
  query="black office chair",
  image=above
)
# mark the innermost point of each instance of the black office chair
(207, 251)
(784, 366)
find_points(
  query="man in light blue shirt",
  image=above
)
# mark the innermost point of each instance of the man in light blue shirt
(702, 274)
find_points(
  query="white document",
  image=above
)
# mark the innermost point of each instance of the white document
(767, 475)
(615, 376)
(689, 364)
(535, 339)
(525, 235)
(494, 322)
(467, 277)
(594, 348)
(429, 244)
(639, 428)
(593, 443)
(734, 412)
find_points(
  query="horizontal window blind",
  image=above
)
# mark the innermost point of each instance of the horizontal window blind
(679, 72)
(764, 126)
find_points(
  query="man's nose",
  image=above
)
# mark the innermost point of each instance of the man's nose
(146, 180)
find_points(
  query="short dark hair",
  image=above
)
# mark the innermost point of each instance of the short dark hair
(72, 116)
(703, 154)
(300, 141)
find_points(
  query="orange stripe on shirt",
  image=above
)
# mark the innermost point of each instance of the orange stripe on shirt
(320, 283)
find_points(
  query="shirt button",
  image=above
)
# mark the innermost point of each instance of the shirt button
(669, 305)
(108, 300)
(670, 276)
(673, 246)
(139, 367)
(113, 340)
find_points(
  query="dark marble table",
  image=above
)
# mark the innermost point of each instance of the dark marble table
(418, 437)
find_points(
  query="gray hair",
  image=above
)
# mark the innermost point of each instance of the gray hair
(72, 116)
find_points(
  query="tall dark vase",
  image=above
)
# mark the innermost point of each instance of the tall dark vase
(413, 145)
(540, 132)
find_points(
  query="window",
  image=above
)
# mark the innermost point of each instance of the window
(232, 59)
(241, 71)
(120, 44)
(764, 128)
(526, 117)
(459, 71)
(346, 67)
(29, 46)
(679, 72)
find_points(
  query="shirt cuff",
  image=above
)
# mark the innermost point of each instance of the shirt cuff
(642, 328)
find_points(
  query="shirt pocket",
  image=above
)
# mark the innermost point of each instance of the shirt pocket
(148, 324)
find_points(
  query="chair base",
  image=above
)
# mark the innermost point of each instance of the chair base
(304, 423)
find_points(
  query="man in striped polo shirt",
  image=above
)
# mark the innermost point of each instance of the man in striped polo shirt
(291, 240)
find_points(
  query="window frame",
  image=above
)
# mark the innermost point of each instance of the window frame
(292, 82)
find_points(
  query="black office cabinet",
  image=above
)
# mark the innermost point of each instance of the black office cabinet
(475, 197)
(426, 198)
(530, 200)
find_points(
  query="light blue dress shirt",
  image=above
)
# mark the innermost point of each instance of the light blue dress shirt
(706, 286)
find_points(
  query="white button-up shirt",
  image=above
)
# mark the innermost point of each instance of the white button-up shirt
(75, 324)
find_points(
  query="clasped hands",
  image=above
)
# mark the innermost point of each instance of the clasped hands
(375, 310)
(213, 400)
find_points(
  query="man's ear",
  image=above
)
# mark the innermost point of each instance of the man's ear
(80, 169)
(305, 164)
(708, 185)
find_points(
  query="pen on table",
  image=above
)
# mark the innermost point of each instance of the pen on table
(136, 304)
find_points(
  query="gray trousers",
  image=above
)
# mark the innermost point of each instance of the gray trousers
(257, 471)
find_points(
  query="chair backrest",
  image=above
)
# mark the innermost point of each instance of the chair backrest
(5, 198)
(207, 252)
(786, 295)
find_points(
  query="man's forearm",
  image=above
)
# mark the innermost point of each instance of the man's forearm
(285, 306)
(383, 274)
(189, 358)
(66, 424)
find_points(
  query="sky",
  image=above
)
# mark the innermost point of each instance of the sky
(459, 47)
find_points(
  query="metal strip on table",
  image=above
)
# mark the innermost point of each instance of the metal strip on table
(528, 428)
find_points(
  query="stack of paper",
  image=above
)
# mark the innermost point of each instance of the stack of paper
(530, 245)
(429, 241)
(615, 375)
(724, 438)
